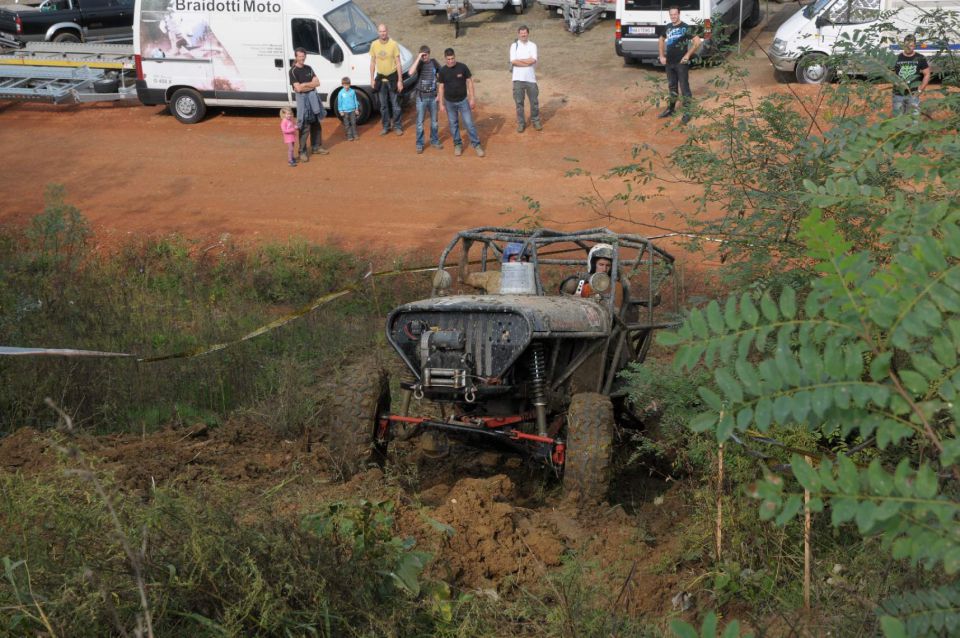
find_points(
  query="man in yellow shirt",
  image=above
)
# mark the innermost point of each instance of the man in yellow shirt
(386, 76)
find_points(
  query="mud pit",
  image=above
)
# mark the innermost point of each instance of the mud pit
(504, 534)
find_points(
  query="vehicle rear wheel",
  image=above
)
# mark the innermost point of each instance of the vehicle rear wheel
(813, 69)
(66, 36)
(589, 450)
(518, 8)
(755, 16)
(351, 409)
(187, 106)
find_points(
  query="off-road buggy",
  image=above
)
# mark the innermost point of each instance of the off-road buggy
(531, 366)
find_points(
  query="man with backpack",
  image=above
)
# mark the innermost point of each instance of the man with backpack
(425, 69)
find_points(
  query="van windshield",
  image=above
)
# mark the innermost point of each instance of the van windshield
(353, 25)
(660, 5)
(813, 9)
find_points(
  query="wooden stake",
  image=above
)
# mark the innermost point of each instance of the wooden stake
(719, 501)
(806, 547)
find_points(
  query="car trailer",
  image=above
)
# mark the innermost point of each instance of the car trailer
(580, 15)
(458, 10)
(65, 72)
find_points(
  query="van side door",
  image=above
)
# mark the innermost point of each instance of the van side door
(324, 55)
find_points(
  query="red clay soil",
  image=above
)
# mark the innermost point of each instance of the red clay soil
(134, 170)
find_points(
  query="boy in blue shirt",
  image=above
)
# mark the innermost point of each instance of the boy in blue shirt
(349, 108)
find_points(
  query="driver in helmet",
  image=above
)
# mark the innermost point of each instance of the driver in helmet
(489, 280)
(599, 261)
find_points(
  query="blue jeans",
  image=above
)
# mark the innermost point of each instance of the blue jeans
(906, 105)
(458, 112)
(389, 103)
(424, 105)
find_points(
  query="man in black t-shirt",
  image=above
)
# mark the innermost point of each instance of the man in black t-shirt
(913, 75)
(309, 110)
(455, 86)
(678, 43)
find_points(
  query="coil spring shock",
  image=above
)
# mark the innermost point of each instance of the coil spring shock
(538, 385)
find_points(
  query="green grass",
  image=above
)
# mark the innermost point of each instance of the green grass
(165, 295)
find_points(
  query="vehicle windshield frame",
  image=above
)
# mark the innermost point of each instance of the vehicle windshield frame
(350, 14)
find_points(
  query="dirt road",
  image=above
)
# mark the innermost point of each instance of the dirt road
(135, 170)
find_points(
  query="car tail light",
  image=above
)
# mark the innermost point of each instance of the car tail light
(138, 62)
(19, 23)
(707, 29)
(618, 35)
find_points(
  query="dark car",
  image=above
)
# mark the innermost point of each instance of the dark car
(66, 21)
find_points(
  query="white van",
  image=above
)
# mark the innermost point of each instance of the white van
(804, 41)
(638, 22)
(191, 53)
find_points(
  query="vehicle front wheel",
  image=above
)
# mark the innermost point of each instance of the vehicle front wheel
(366, 107)
(187, 106)
(350, 411)
(813, 69)
(589, 445)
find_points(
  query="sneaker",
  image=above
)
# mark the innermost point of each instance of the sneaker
(685, 118)
(419, 150)
(398, 131)
(458, 150)
(354, 138)
(319, 150)
(666, 112)
(537, 125)
(385, 131)
(293, 163)
(520, 128)
(437, 145)
(479, 150)
(304, 158)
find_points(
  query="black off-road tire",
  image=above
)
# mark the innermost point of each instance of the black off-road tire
(350, 414)
(589, 452)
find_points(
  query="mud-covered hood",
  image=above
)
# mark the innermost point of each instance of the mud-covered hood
(546, 316)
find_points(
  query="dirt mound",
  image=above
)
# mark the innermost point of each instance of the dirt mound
(27, 451)
(492, 539)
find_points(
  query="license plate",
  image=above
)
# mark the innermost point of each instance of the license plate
(641, 30)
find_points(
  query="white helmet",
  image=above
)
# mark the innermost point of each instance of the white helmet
(599, 251)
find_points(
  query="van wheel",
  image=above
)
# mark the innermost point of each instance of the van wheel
(187, 106)
(66, 36)
(813, 69)
(755, 16)
(518, 9)
(424, 12)
(366, 107)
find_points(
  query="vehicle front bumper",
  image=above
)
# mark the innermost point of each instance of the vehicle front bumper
(783, 62)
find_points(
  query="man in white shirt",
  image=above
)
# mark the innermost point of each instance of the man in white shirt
(523, 59)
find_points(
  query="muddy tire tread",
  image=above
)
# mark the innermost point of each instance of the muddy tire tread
(590, 437)
(350, 413)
